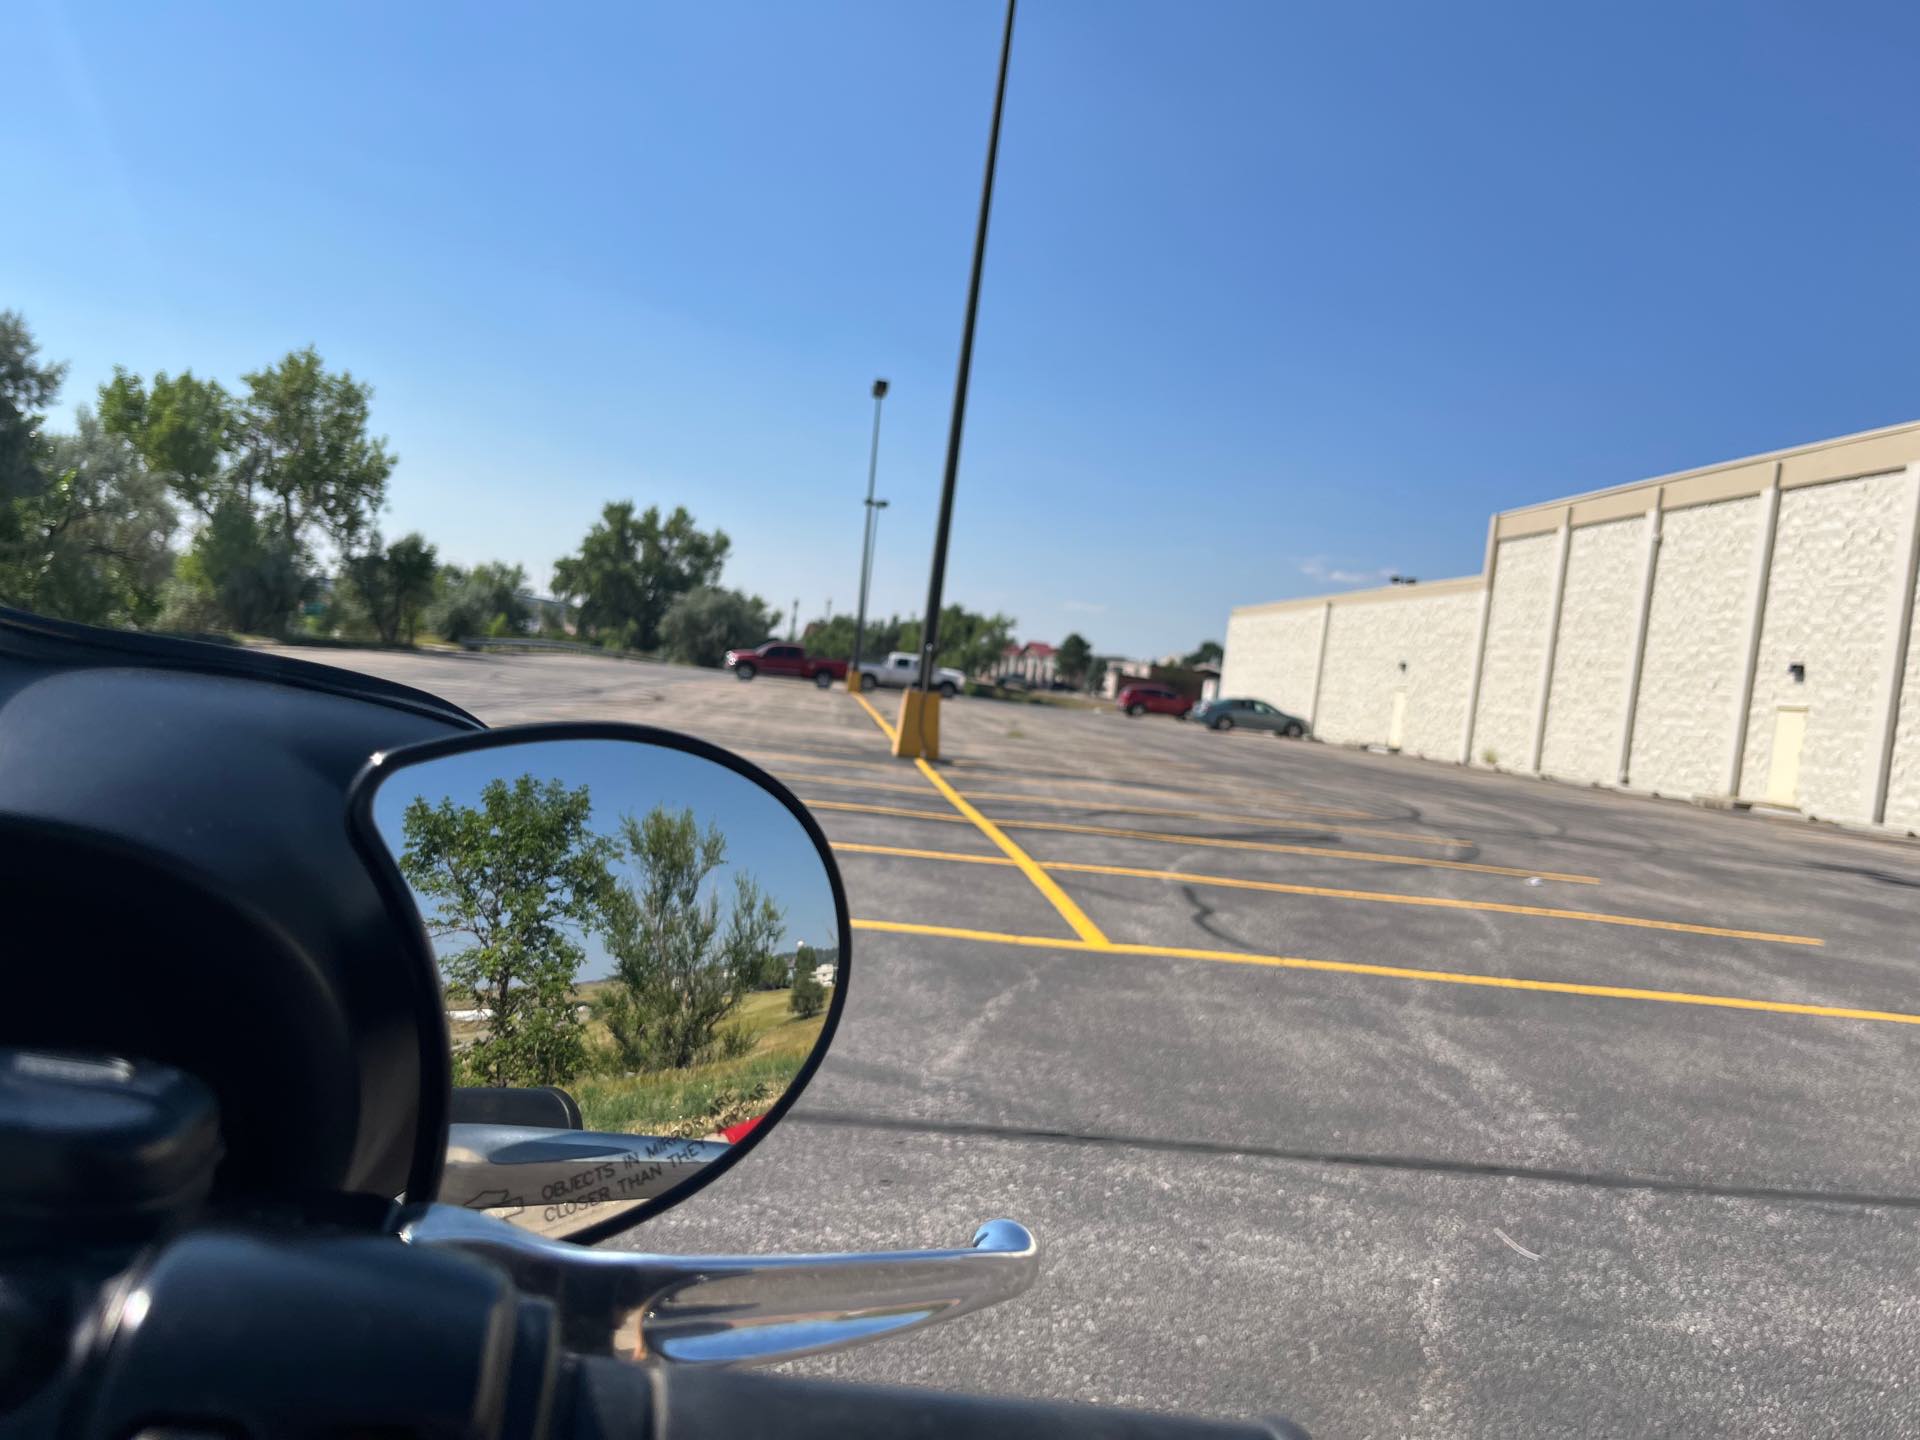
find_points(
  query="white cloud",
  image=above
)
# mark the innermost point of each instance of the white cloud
(1316, 567)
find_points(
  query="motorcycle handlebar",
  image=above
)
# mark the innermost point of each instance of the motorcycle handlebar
(616, 1400)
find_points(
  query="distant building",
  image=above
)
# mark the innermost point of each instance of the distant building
(1742, 633)
(1037, 662)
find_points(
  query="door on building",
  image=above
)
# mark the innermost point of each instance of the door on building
(1397, 723)
(1783, 775)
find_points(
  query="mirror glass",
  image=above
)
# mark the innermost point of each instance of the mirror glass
(645, 928)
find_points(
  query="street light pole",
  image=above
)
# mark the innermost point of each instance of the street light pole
(930, 631)
(866, 546)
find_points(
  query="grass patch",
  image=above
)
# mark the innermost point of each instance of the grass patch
(701, 1098)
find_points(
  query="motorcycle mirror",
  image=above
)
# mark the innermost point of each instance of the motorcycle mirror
(639, 919)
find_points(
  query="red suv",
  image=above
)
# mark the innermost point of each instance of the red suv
(1152, 700)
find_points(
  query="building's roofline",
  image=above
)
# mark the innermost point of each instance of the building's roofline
(1845, 457)
(1420, 590)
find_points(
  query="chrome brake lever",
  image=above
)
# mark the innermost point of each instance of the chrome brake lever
(737, 1309)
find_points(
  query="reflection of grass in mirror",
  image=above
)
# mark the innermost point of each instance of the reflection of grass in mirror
(699, 1099)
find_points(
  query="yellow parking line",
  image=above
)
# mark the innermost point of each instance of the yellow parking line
(1043, 882)
(902, 852)
(1284, 797)
(899, 810)
(842, 782)
(1271, 847)
(1227, 817)
(1400, 972)
(764, 756)
(794, 777)
(1276, 847)
(1441, 902)
(878, 719)
(1324, 892)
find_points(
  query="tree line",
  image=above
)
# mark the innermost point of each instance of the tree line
(177, 504)
(517, 882)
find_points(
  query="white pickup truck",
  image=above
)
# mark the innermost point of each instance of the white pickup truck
(902, 671)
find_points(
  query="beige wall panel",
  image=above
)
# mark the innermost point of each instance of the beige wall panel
(1271, 657)
(1366, 645)
(1696, 628)
(1516, 648)
(1827, 608)
(1597, 614)
(1903, 781)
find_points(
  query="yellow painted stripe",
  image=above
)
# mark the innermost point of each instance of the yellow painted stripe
(990, 937)
(1400, 972)
(1043, 882)
(1326, 892)
(900, 851)
(795, 777)
(1440, 902)
(1278, 848)
(1273, 847)
(766, 756)
(899, 810)
(885, 728)
(1201, 786)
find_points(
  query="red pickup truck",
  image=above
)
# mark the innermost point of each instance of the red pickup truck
(780, 657)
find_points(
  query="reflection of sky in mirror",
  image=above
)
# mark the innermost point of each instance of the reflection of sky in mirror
(624, 777)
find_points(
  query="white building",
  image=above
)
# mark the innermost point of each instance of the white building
(1036, 662)
(1737, 632)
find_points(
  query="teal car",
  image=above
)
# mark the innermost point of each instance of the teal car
(1248, 715)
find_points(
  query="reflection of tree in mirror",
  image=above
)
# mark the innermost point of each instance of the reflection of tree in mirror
(679, 968)
(809, 996)
(523, 877)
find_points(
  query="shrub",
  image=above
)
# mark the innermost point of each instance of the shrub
(809, 996)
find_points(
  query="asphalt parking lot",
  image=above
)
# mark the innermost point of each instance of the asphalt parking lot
(1401, 1099)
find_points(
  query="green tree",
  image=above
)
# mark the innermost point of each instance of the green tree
(91, 544)
(286, 465)
(1209, 653)
(241, 573)
(395, 583)
(182, 427)
(833, 639)
(301, 448)
(678, 969)
(27, 389)
(809, 996)
(521, 878)
(1073, 658)
(631, 568)
(479, 601)
(706, 622)
(970, 643)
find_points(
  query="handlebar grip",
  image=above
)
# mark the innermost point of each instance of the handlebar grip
(617, 1400)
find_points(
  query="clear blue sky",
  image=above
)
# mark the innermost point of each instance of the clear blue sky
(1279, 297)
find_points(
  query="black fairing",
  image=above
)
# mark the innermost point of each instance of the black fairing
(177, 883)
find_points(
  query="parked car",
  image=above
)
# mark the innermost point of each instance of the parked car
(1142, 698)
(901, 670)
(1014, 681)
(780, 657)
(1249, 715)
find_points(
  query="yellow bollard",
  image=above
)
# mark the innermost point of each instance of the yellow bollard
(853, 681)
(917, 733)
